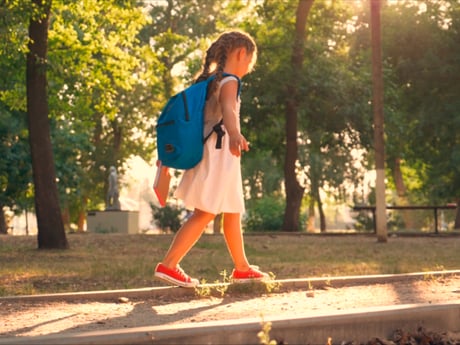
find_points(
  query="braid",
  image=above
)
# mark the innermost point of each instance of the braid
(209, 59)
(220, 59)
(218, 52)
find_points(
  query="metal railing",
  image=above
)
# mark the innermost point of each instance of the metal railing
(434, 208)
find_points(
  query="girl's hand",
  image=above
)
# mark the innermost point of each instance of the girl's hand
(238, 143)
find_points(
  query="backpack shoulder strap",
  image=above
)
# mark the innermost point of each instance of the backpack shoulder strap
(218, 126)
(211, 78)
(237, 78)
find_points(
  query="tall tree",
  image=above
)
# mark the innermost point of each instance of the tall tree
(264, 100)
(377, 102)
(330, 127)
(51, 234)
(102, 96)
(294, 191)
(421, 99)
(333, 112)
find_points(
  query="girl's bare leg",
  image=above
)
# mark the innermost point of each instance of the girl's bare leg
(186, 237)
(234, 238)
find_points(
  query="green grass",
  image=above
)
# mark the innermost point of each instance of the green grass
(115, 261)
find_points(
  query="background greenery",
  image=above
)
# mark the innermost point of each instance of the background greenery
(112, 64)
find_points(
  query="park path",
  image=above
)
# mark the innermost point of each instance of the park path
(29, 317)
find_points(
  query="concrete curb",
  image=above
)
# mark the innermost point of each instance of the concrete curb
(360, 326)
(284, 286)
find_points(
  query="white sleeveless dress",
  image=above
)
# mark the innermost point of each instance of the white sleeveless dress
(215, 184)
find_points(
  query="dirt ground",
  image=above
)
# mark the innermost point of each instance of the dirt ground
(20, 318)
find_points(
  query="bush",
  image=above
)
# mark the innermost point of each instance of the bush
(167, 217)
(364, 221)
(265, 214)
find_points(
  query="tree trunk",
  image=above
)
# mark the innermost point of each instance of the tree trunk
(3, 226)
(51, 234)
(311, 215)
(322, 216)
(117, 141)
(81, 221)
(457, 216)
(379, 140)
(315, 179)
(294, 191)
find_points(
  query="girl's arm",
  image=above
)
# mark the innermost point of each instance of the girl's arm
(228, 103)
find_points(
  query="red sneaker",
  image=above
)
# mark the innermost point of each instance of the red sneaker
(175, 276)
(252, 274)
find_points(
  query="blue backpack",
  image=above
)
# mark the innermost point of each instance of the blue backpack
(180, 127)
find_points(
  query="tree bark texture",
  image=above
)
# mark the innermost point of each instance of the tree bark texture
(457, 216)
(294, 191)
(51, 234)
(322, 216)
(379, 144)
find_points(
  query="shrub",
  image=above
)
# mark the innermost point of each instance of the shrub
(265, 214)
(167, 217)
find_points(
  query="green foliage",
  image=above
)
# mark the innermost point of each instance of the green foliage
(167, 217)
(15, 164)
(180, 32)
(263, 172)
(421, 94)
(102, 84)
(112, 64)
(13, 45)
(333, 101)
(364, 221)
(265, 214)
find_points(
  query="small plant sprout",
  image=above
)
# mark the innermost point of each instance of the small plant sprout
(223, 287)
(207, 290)
(310, 290)
(272, 285)
(203, 289)
(264, 334)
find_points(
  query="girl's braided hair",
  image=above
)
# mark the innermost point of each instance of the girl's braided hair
(216, 55)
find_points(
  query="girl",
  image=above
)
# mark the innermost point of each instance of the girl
(215, 185)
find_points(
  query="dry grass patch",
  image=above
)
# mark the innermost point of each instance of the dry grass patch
(116, 261)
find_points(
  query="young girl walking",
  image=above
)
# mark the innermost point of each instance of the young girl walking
(215, 185)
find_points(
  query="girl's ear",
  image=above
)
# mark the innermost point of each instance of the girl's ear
(241, 53)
